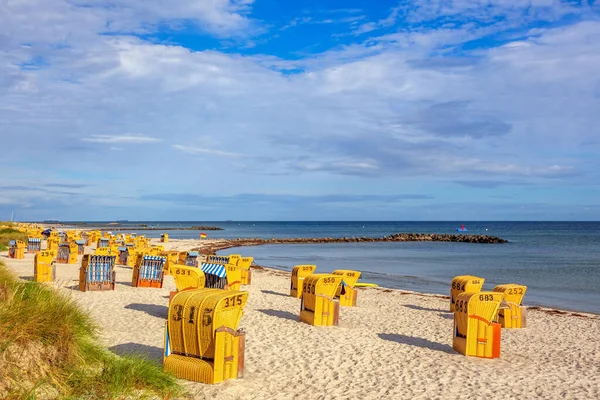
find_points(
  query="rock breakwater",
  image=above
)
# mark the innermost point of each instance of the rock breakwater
(396, 237)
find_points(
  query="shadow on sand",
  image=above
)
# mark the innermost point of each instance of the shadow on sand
(415, 341)
(413, 307)
(275, 293)
(151, 309)
(137, 349)
(281, 314)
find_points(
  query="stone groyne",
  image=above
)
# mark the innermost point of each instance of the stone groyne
(153, 228)
(397, 237)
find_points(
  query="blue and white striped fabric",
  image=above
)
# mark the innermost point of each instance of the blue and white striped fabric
(155, 258)
(80, 242)
(214, 269)
(34, 240)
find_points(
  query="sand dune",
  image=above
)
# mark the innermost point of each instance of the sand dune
(394, 345)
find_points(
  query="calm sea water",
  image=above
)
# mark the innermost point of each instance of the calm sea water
(558, 261)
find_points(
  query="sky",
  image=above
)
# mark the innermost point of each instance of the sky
(211, 110)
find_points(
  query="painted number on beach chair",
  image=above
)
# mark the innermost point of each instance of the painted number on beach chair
(515, 291)
(181, 272)
(178, 312)
(191, 318)
(233, 301)
(486, 297)
(308, 288)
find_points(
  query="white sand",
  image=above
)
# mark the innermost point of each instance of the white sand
(394, 345)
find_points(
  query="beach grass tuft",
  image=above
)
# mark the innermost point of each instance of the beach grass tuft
(49, 349)
(7, 234)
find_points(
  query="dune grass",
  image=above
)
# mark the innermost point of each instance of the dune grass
(8, 234)
(49, 349)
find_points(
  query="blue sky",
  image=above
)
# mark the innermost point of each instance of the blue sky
(308, 110)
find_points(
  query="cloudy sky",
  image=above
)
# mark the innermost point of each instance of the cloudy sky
(281, 110)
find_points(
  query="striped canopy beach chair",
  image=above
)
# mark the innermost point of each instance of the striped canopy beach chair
(216, 275)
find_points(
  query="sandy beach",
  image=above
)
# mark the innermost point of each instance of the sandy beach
(394, 345)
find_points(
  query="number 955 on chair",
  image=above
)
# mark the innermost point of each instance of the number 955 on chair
(319, 306)
(202, 339)
(475, 333)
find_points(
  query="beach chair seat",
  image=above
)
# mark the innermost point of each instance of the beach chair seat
(123, 255)
(319, 307)
(34, 244)
(299, 273)
(44, 267)
(216, 275)
(346, 292)
(67, 253)
(80, 246)
(512, 314)
(202, 339)
(149, 272)
(97, 272)
(16, 249)
(221, 273)
(475, 332)
(464, 284)
(189, 258)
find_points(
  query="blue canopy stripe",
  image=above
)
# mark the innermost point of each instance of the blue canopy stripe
(214, 269)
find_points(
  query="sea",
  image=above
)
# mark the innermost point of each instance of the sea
(559, 262)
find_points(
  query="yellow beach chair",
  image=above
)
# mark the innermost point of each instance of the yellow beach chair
(475, 333)
(512, 314)
(319, 306)
(44, 268)
(202, 339)
(346, 292)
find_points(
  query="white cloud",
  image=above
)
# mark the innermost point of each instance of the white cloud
(202, 150)
(128, 138)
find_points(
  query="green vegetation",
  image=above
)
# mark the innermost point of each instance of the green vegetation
(49, 349)
(8, 234)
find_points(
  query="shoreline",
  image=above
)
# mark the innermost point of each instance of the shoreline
(224, 244)
(385, 289)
